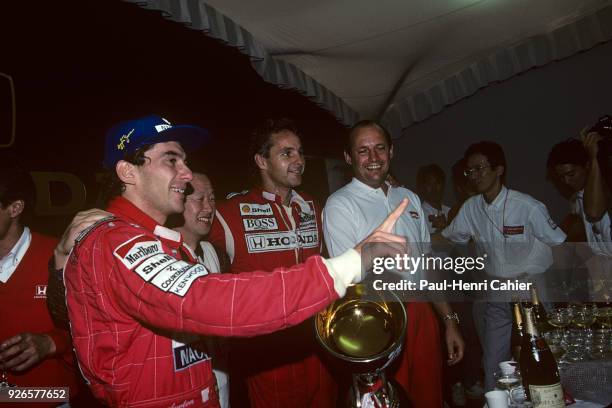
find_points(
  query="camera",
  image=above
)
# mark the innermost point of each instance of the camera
(603, 126)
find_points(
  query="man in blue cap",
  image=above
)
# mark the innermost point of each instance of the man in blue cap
(133, 291)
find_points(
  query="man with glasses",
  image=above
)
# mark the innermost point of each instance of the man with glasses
(514, 230)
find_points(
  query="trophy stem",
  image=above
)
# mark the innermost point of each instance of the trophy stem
(372, 390)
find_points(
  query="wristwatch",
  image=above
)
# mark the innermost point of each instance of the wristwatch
(451, 316)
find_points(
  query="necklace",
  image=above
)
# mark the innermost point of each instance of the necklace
(500, 230)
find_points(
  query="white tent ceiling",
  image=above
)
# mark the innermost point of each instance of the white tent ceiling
(398, 61)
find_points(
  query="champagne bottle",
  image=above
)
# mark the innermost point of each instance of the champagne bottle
(539, 314)
(516, 338)
(538, 368)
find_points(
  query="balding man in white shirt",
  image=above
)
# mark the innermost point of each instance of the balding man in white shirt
(351, 213)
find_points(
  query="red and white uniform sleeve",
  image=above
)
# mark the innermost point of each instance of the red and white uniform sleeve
(173, 294)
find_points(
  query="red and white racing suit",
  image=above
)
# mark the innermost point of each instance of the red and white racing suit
(129, 293)
(283, 369)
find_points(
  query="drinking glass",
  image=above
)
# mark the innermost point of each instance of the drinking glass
(602, 335)
(518, 398)
(507, 382)
(560, 318)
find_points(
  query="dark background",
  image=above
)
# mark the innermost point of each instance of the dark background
(80, 66)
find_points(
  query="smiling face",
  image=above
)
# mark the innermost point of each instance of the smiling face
(283, 169)
(158, 186)
(199, 206)
(370, 156)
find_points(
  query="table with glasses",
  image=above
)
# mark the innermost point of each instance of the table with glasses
(581, 340)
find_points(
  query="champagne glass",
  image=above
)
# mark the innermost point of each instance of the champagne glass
(604, 318)
(601, 337)
(506, 381)
(580, 337)
(560, 318)
(584, 318)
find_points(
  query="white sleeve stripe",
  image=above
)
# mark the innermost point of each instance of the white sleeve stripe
(229, 238)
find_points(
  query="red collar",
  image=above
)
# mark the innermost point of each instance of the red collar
(296, 200)
(124, 208)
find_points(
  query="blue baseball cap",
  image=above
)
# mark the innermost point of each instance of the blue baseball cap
(126, 137)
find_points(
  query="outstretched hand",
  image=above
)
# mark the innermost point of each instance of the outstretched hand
(383, 242)
(384, 232)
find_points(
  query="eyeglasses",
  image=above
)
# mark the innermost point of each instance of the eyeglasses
(476, 169)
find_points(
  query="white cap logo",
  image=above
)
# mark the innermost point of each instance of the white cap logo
(161, 128)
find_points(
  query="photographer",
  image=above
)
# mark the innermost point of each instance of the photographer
(576, 165)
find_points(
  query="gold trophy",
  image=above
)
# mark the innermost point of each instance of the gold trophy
(365, 331)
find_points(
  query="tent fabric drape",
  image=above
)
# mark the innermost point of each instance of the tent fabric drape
(500, 65)
(413, 98)
(198, 15)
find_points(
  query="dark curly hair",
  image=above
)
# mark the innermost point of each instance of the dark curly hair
(492, 151)
(569, 151)
(112, 185)
(261, 138)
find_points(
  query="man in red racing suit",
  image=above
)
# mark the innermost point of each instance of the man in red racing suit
(128, 270)
(257, 233)
(268, 227)
(131, 288)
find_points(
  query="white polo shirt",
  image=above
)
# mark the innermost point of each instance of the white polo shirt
(10, 262)
(599, 234)
(355, 210)
(514, 231)
(430, 210)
